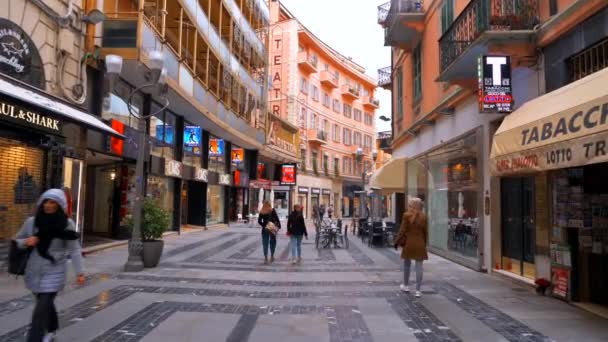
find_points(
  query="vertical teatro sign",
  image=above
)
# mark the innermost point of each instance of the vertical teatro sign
(276, 72)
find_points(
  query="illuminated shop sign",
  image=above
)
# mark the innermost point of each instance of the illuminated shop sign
(494, 81)
(288, 174)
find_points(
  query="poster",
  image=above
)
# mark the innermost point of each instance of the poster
(216, 147)
(560, 282)
(288, 174)
(237, 156)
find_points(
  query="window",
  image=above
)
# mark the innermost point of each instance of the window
(347, 110)
(590, 60)
(326, 67)
(335, 133)
(315, 158)
(399, 95)
(369, 119)
(304, 85)
(325, 126)
(162, 127)
(315, 93)
(336, 165)
(325, 163)
(336, 106)
(357, 139)
(367, 143)
(313, 121)
(417, 73)
(357, 115)
(347, 166)
(303, 117)
(192, 144)
(553, 7)
(326, 101)
(365, 92)
(303, 158)
(346, 136)
(447, 15)
(337, 75)
(217, 157)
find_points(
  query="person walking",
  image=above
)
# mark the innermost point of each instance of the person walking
(330, 211)
(413, 237)
(51, 236)
(269, 237)
(296, 228)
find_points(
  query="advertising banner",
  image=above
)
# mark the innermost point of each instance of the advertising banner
(288, 174)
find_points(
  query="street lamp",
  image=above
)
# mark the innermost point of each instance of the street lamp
(157, 77)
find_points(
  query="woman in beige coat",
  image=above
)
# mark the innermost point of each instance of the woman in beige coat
(413, 238)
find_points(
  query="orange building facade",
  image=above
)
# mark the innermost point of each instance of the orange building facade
(331, 100)
(441, 126)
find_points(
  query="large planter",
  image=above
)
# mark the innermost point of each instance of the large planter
(152, 251)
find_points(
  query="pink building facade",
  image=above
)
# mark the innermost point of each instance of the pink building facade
(331, 100)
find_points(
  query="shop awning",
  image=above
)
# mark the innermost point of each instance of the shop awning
(564, 128)
(390, 177)
(55, 106)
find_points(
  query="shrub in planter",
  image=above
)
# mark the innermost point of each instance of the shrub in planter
(155, 222)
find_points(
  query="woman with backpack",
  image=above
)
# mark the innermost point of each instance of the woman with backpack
(51, 236)
(296, 229)
(269, 220)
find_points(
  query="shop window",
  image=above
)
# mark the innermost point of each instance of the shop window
(217, 155)
(115, 106)
(215, 204)
(162, 190)
(21, 182)
(162, 131)
(72, 181)
(590, 60)
(192, 144)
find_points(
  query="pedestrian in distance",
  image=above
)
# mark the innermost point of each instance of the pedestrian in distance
(296, 229)
(322, 211)
(413, 238)
(330, 211)
(50, 236)
(269, 220)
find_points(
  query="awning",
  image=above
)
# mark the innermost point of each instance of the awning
(55, 106)
(390, 177)
(564, 128)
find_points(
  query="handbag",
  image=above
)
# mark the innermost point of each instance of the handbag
(17, 259)
(271, 228)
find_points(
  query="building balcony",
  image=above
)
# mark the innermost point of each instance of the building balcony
(403, 23)
(329, 79)
(384, 78)
(349, 92)
(307, 62)
(385, 140)
(316, 137)
(487, 27)
(370, 102)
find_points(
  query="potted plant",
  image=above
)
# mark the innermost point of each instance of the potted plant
(155, 222)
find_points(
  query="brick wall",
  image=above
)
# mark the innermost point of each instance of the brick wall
(18, 195)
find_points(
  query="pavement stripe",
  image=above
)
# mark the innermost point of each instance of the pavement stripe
(424, 325)
(243, 328)
(190, 246)
(200, 257)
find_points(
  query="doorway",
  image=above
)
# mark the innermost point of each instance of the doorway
(518, 226)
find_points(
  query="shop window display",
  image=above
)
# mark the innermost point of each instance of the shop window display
(162, 131)
(217, 155)
(162, 190)
(448, 183)
(20, 184)
(192, 145)
(215, 204)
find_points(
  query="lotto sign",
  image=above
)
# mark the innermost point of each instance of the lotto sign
(494, 80)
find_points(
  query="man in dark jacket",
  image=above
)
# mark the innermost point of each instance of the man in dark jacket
(296, 228)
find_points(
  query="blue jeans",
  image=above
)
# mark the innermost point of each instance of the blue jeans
(296, 246)
(269, 240)
(407, 265)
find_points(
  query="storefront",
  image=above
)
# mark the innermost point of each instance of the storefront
(449, 184)
(259, 191)
(281, 200)
(41, 146)
(326, 197)
(556, 153)
(303, 199)
(315, 197)
(239, 191)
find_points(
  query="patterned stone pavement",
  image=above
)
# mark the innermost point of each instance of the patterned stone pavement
(213, 286)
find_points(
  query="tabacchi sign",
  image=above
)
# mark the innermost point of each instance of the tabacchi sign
(494, 81)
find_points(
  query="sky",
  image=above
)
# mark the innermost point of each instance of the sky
(350, 27)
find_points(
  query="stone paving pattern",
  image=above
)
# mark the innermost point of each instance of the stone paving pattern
(213, 285)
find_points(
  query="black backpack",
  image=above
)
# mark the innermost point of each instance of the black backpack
(17, 259)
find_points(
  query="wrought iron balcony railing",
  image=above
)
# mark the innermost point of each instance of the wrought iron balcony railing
(384, 77)
(485, 15)
(389, 10)
(383, 12)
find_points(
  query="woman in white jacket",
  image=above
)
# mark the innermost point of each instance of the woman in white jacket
(51, 236)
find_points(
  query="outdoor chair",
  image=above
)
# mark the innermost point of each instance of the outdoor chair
(376, 232)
